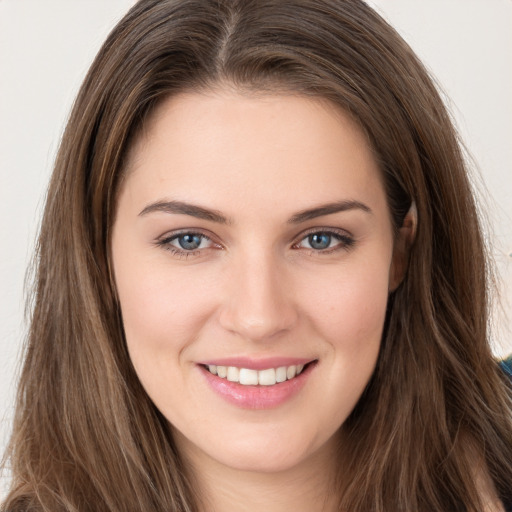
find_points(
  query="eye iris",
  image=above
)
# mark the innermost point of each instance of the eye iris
(319, 240)
(189, 242)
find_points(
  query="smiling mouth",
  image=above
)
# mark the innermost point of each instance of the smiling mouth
(250, 377)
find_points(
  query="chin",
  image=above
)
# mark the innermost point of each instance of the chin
(260, 452)
(263, 461)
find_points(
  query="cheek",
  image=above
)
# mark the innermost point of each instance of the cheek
(162, 311)
(348, 316)
(350, 307)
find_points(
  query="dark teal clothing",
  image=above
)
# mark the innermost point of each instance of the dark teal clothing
(506, 366)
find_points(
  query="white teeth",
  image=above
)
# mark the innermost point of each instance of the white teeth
(281, 374)
(247, 377)
(267, 377)
(233, 374)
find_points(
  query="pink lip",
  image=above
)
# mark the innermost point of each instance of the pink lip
(257, 397)
(256, 364)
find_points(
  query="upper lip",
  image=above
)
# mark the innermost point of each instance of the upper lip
(257, 364)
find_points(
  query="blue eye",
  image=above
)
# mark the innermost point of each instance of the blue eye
(319, 241)
(185, 242)
(326, 241)
(189, 241)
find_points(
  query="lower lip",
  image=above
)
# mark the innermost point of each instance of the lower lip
(257, 397)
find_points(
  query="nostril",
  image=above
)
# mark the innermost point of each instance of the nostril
(257, 326)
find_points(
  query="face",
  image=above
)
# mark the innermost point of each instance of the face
(253, 256)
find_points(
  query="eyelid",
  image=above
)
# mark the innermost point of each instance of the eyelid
(324, 229)
(343, 233)
(168, 235)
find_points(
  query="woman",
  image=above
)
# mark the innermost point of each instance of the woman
(261, 280)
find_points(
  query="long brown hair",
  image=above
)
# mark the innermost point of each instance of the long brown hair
(86, 435)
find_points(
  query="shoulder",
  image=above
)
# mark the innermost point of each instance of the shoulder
(506, 366)
(488, 495)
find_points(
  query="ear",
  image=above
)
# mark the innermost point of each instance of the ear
(403, 242)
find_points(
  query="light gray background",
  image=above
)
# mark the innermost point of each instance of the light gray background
(46, 47)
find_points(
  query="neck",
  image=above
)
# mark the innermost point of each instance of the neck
(302, 488)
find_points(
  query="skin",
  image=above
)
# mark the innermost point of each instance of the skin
(256, 288)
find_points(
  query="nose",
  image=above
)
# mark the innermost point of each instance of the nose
(258, 302)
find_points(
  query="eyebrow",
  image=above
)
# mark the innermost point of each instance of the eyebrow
(199, 212)
(328, 209)
(180, 207)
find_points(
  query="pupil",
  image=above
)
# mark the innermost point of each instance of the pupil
(189, 242)
(320, 241)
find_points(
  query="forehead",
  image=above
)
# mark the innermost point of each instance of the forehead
(236, 149)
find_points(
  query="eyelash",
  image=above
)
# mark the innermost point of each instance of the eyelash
(346, 242)
(165, 243)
